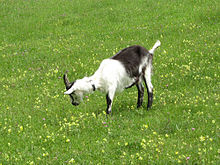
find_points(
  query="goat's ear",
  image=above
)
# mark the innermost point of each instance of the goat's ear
(69, 91)
(66, 81)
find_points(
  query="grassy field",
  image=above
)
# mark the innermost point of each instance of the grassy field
(41, 39)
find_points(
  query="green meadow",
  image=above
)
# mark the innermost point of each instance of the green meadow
(42, 39)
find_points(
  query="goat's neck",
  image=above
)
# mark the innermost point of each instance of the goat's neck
(86, 84)
(95, 80)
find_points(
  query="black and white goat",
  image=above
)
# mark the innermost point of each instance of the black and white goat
(130, 66)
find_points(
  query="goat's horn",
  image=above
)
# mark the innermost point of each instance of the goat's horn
(66, 81)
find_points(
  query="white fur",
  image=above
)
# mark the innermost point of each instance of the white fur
(148, 78)
(111, 75)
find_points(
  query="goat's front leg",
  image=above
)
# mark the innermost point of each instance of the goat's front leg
(109, 99)
(149, 86)
(140, 88)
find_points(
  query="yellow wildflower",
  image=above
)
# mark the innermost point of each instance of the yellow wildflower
(202, 138)
(21, 128)
(72, 161)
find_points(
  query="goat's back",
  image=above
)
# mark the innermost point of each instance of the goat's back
(132, 58)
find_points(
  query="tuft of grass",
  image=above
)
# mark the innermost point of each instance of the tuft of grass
(40, 40)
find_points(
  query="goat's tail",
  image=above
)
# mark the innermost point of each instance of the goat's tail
(156, 45)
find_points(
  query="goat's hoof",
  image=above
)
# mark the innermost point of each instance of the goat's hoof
(138, 106)
(108, 115)
(148, 108)
(108, 112)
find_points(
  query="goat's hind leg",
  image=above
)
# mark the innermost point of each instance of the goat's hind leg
(140, 88)
(149, 86)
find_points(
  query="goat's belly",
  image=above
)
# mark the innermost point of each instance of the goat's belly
(113, 75)
(124, 83)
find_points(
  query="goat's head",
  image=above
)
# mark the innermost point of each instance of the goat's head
(75, 95)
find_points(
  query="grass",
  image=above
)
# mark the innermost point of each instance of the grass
(40, 40)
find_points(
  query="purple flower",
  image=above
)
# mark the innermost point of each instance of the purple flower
(193, 129)
(187, 158)
(44, 119)
(86, 96)
(167, 85)
(105, 124)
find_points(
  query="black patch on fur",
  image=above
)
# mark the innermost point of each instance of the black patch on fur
(131, 58)
(109, 101)
(93, 87)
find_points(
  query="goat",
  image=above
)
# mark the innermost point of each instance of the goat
(130, 66)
